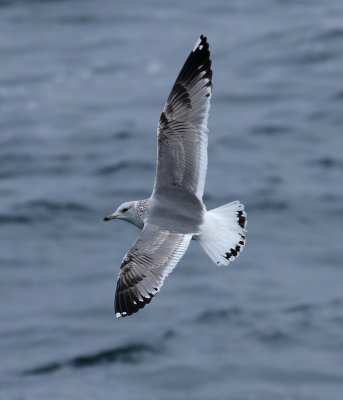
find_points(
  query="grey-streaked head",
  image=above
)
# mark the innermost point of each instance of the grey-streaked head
(131, 211)
(126, 211)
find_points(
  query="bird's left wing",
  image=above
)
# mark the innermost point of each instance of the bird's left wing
(146, 265)
(182, 129)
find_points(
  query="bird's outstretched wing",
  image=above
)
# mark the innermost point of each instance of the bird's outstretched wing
(144, 268)
(182, 129)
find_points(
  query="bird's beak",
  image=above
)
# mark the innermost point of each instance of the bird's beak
(109, 217)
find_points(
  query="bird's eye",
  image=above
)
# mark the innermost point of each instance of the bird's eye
(124, 209)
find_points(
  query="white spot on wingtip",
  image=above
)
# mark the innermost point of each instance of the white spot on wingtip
(196, 45)
(118, 315)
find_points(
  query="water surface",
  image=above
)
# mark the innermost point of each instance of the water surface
(82, 86)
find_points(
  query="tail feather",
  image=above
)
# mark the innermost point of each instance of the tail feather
(223, 232)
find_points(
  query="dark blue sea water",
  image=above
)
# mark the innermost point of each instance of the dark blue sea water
(82, 85)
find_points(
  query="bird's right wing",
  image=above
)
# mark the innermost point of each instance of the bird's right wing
(146, 265)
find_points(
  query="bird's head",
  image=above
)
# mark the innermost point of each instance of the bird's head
(126, 211)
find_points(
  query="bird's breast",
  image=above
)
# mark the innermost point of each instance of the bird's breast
(176, 209)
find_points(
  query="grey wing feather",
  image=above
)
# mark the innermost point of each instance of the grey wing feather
(182, 130)
(144, 268)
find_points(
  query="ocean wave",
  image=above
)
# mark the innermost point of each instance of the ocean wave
(34, 210)
(125, 165)
(15, 219)
(269, 130)
(53, 206)
(131, 353)
(327, 162)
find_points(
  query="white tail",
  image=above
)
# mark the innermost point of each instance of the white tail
(222, 233)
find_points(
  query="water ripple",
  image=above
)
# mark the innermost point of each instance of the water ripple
(41, 209)
(328, 163)
(237, 98)
(125, 165)
(132, 353)
(269, 130)
(53, 206)
(269, 204)
(330, 34)
(233, 314)
(14, 219)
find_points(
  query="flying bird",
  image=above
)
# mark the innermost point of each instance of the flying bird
(175, 213)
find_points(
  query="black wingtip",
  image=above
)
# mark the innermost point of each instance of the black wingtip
(198, 61)
(127, 301)
(202, 44)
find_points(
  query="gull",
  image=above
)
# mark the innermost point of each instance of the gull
(175, 213)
